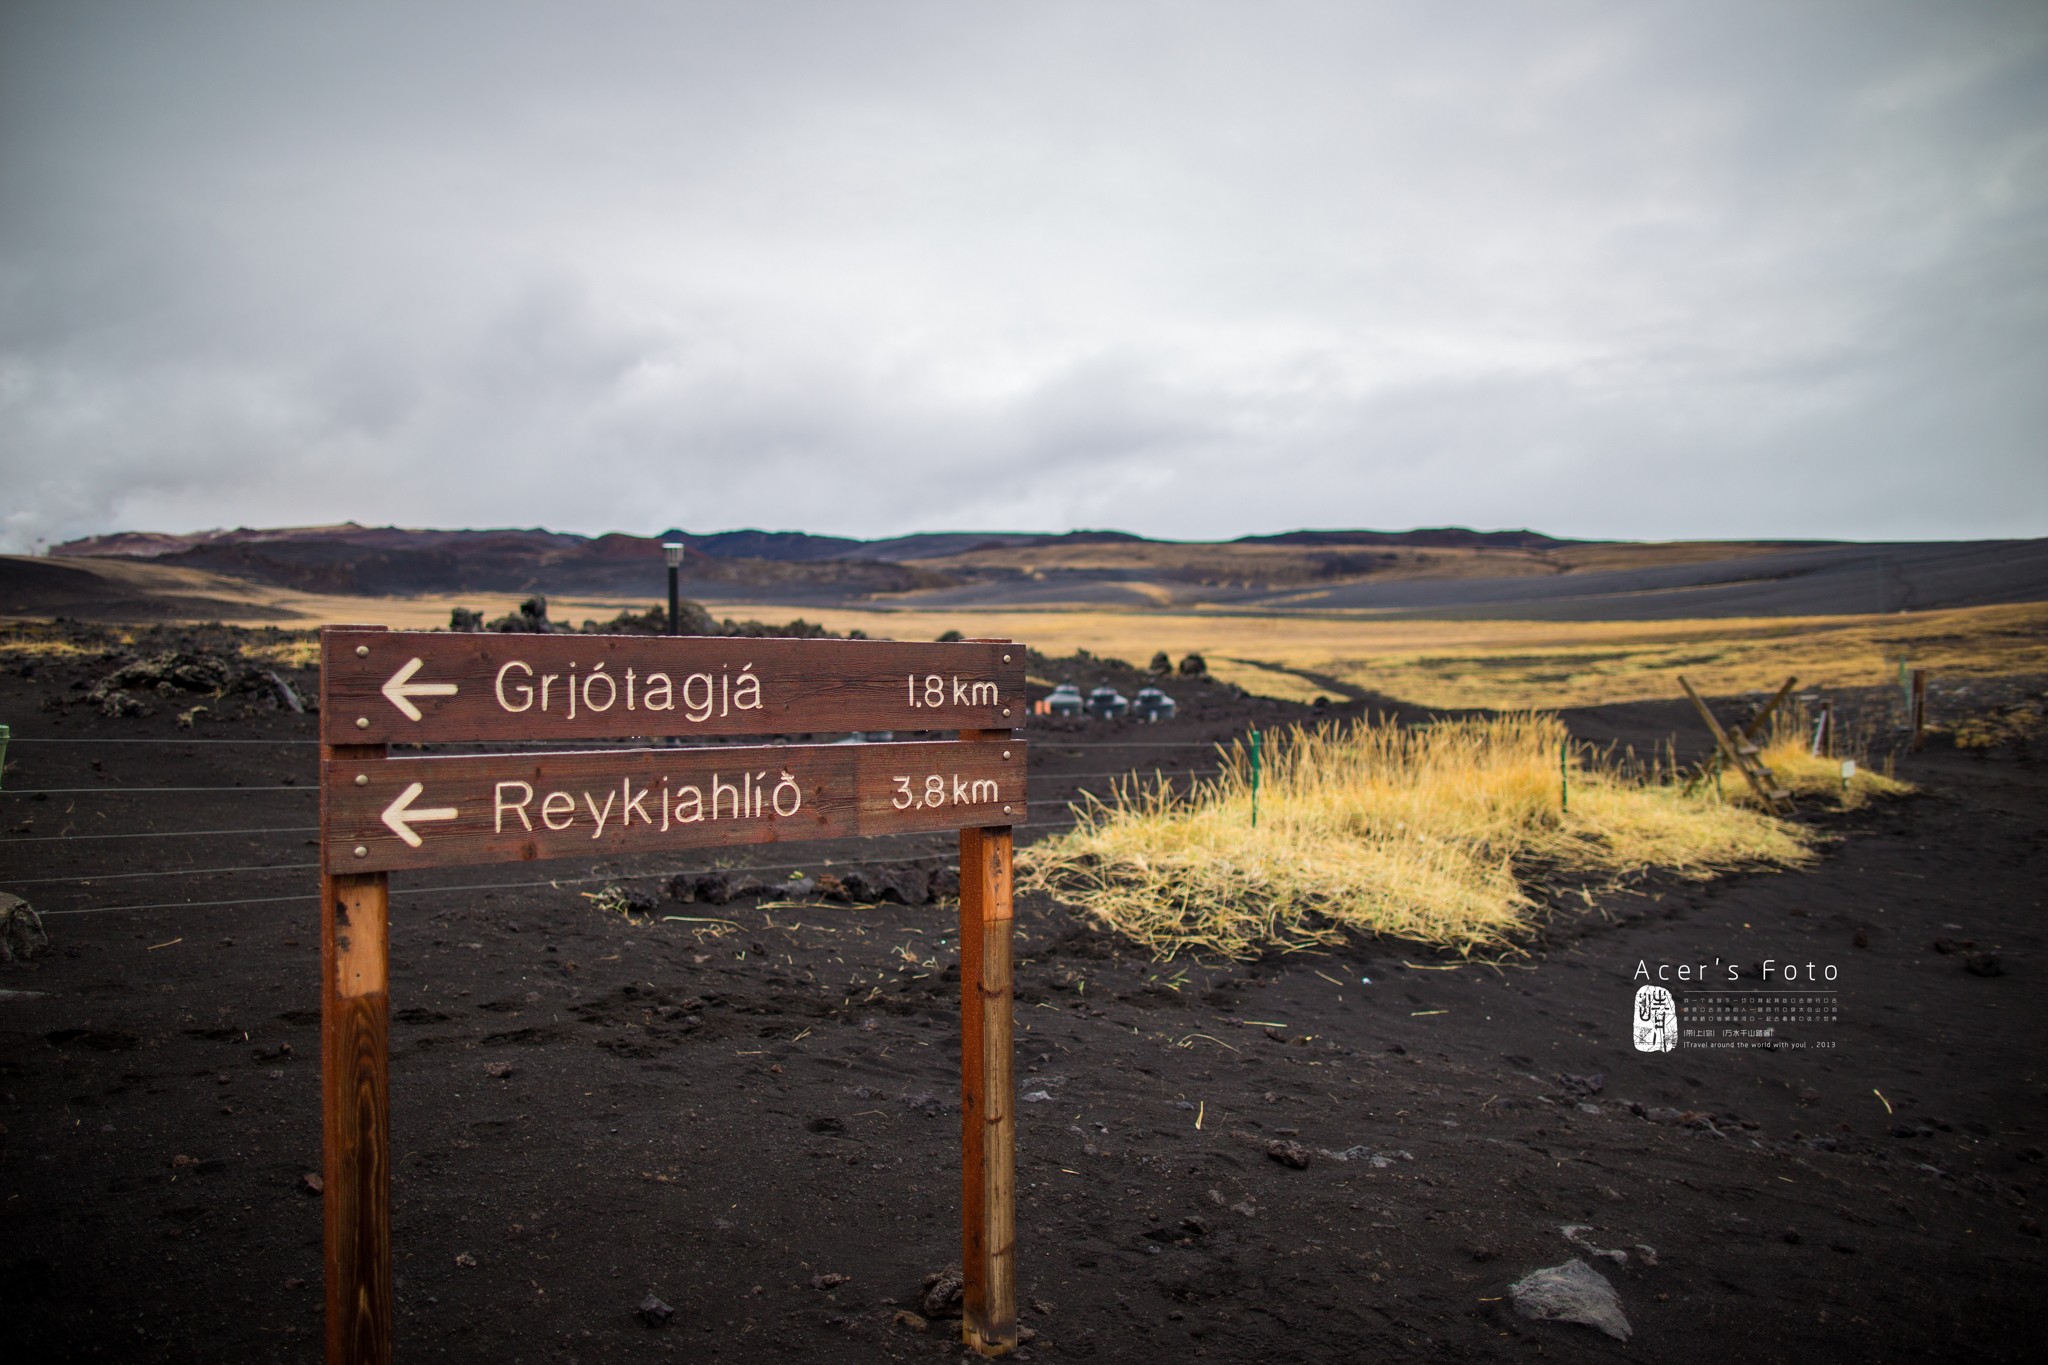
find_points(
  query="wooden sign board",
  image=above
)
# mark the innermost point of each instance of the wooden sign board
(381, 814)
(390, 687)
(386, 814)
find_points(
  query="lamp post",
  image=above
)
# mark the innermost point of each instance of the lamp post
(672, 551)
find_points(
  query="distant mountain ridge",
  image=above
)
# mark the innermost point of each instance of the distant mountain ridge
(350, 558)
(747, 543)
(1430, 571)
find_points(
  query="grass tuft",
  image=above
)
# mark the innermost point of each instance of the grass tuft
(1416, 833)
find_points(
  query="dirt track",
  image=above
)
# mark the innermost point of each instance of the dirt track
(587, 1109)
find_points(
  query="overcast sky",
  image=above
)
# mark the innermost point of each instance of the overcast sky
(1188, 269)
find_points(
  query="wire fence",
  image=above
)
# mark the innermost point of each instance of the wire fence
(155, 791)
(1048, 750)
(1119, 773)
(156, 834)
(1045, 741)
(607, 878)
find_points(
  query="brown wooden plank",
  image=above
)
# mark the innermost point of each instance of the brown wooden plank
(492, 808)
(416, 687)
(1727, 745)
(988, 1132)
(1754, 727)
(355, 1105)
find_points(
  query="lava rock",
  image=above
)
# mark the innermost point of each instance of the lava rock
(1572, 1292)
(653, 1311)
(941, 1292)
(22, 935)
(1289, 1153)
(904, 885)
(713, 888)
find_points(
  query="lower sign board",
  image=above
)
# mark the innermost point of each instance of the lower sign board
(388, 814)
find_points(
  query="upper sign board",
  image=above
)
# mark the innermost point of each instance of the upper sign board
(413, 687)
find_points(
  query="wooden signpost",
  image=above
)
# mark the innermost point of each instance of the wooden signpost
(381, 814)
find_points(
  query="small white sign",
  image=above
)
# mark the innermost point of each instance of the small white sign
(1848, 768)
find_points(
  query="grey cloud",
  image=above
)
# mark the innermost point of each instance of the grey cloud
(1190, 269)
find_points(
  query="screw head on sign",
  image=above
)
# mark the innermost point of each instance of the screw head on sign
(1006, 753)
(1006, 658)
(362, 779)
(362, 722)
(1006, 710)
(1006, 810)
(362, 852)
(363, 652)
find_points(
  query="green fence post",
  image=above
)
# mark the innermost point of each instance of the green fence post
(1564, 777)
(1255, 777)
(4, 733)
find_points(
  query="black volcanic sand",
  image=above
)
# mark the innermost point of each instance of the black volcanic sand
(587, 1110)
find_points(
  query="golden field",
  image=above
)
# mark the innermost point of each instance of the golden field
(1505, 665)
(1500, 664)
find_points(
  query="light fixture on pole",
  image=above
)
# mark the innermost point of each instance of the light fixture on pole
(672, 550)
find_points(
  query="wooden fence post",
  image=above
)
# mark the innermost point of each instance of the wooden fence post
(355, 1091)
(988, 1120)
(356, 1116)
(988, 1091)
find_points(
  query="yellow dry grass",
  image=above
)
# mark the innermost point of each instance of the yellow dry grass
(1415, 833)
(1788, 753)
(1502, 665)
(1809, 777)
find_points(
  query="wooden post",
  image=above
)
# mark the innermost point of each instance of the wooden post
(988, 1091)
(355, 1091)
(1917, 717)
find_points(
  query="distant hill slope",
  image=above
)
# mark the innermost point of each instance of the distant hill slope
(1433, 537)
(1440, 571)
(125, 590)
(1823, 580)
(390, 561)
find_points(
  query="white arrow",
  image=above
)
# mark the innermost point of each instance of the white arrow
(399, 815)
(400, 690)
